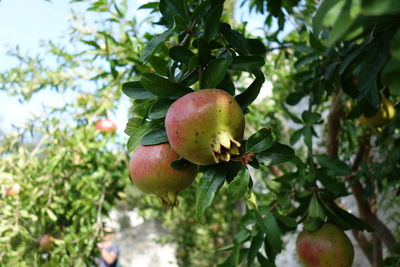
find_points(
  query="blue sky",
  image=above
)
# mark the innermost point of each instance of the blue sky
(25, 23)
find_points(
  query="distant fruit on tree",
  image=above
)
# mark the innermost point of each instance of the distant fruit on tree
(106, 126)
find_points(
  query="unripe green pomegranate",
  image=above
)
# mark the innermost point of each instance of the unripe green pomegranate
(150, 170)
(329, 246)
(206, 126)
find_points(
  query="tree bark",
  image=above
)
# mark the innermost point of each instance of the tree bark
(335, 114)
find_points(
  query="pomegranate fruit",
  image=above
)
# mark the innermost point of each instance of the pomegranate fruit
(206, 126)
(106, 126)
(384, 115)
(151, 171)
(329, 246)
(13, 190)
(46, 242)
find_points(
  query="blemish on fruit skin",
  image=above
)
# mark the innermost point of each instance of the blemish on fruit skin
(197, 134)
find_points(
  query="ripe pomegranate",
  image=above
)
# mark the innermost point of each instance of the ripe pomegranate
(13, 190)
(150, 170)
(46, 242)
(329, 246)
(384, 115)
(106, 126)
(206, 126)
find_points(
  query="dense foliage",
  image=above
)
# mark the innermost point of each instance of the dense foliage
(304, 149)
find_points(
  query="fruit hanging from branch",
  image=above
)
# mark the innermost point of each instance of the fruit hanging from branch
(13, 190)
(46, 242)
(151, 171)
(384, 115)
(206, 126)
(106, 126)
(329, 246)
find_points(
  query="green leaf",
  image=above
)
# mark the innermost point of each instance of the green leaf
(354, 54)
(159, 64)
(137, 134)
(310, 118)
(238, 187)
(378, 8)
(247, 63)
(170, 8)
(333, 185)
(159, 108)
(315, 209)
(199, 10)
(227, 85)
(256, 243)
(256, 47)
(294, 98)
(163, 87)
(151, 5)
(180, 163)
(321, 14)
(313, 224)
(349, 13)
(212, 23)
(264, 262)
(181, 54)
(204, 51)
(334, 164)
(132, 125)
(352, 220)
(152, 45)
(209, 185)
(315, 43)
(51, 214)
(156, 136)
(270, 227)
(289, 222)
(214, 73)
(338, 220)
(250, 94)
(296, 136)
(277, 154)
(390, 76)
(260, 141)
(136, 90)
(235, 39)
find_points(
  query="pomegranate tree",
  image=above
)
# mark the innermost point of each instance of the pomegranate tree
(329, 246)
(206, 126)
(151, 171)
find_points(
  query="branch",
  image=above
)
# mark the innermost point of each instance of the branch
(363, 206)
(275, 170)
(364, 244)
(334, 124)
(334, 116)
